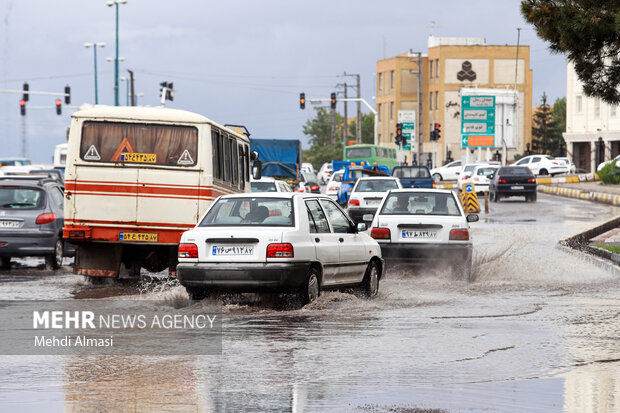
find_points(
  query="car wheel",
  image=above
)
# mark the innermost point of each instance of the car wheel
(543, 172)
(311, 289)
(533, 197)
(54, 260)
(463, 271)
(436, 178)
(197, 293)
(5, 263)
(371, 280)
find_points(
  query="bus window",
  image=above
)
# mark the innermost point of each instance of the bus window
(110, 142)
(234, 164)
(355, 153)
(217, 152)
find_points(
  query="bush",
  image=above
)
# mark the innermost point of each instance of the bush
(610, 174)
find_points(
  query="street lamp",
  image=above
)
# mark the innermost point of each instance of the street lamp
(95, 45)
(111, 3)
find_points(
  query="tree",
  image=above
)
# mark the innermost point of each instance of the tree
(368, 128)
(319, 129)
(542, 128)
(558, 114)
(588, 32)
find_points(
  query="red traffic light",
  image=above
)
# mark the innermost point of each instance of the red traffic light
(22, 102)
(58, 102)
(22, 107)
(58, 106)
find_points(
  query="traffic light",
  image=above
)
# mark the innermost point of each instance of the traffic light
(58, 106)
(302, 101)
(25, 96)
(67, 94)
(333, 101)
(399, 134)
(437, 131)
(170, 92)
(22, 107)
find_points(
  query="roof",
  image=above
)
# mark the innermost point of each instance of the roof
(405, 190)
(373, 178)
(141, 113)
(284, 195)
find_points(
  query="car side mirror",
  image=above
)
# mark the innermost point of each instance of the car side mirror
(253, 156)
(257, 170)
(491, 176)
(368, 217)
(458, 173)
(473, 218)
(361, 227)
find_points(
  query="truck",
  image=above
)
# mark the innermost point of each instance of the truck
(416, 176)
(281, 158)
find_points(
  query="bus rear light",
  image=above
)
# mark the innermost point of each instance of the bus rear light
(381, 233)
(354, 202)
(280, 251)
(459, 234)
(45, 218)
(188, 251)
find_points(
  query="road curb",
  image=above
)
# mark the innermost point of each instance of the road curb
(581, 194)
(568, 179)
(600, 262)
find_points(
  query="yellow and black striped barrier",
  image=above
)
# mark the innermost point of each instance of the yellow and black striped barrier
(469, 199)
(579, 194)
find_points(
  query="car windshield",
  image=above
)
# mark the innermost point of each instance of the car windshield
(264, 187)
(470, 168)
(515, 170)
(411, 172)
(337, 177)
(376, 185)
(420, 203)
(355, 153)
(309, 177)
(250, 211)
(485, 171)
(21, 198)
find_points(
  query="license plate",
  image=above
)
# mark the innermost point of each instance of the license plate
(372, 203)
(516, 187)
(419, 234)
(9, 224)
(138, 236)
(232, 250)
(138, 157)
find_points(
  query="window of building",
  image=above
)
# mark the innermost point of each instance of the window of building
(597, 108)
(380, 81)
(614, 111)
(391, 110)
(430, 69)
(437, 100)
(391, 136)
(430, 101)
(579, 104)
(437, 68)
(379, 113)
(392, 81)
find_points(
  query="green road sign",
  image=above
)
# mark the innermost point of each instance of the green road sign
(409, 134)
(478, 115)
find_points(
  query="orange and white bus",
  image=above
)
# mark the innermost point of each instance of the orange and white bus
(136, 178)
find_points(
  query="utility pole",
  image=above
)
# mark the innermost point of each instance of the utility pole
(132, 90)
(24, 137)
(419, 125)
(346, 118)
(333, 138)
(358, 120)
(516, 112)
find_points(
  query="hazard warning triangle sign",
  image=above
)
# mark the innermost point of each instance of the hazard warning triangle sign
(92, 154)
(125, 146)
(185, 159)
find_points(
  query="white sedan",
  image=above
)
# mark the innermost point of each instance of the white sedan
(325, 172)
(424, 226)
(333, 185)
(449, 172)
(480, 177)
(466, 173)
(543, 165)
(279, 242)
(267, 184)
(367, 194)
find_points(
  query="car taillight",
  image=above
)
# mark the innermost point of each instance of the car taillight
(459, 235)
(501, 181)
(314, 188)
(188, 251)
(532, 180)
(433, 184)
(280, 251)
(555, 163)
(354, 202)
(464, 178)
(380, 233)
(45, 218)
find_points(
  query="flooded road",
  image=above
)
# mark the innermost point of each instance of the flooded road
(537, 330)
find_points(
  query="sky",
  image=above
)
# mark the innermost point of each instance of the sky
(234, 61)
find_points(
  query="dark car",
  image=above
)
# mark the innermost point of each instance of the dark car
(308, 182)
(31, 219)
(413, 176)
(513, 181)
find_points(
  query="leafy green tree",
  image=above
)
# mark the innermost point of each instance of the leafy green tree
(558, 114)
(319, 128)
(317, 155)
(368, 128)
(542, 128)
(588, 32)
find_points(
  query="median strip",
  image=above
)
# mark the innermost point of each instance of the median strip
(580, 194)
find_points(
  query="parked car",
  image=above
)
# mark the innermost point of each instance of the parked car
(480, 177)
(278, 242)
(572, 168)
(424, 226)
(307, 167)
(325, 173)
(268, 184)
(603, 164)
(367, 195)
(308, 182)
(449, 172)
(466, 173)
(543, 165)
(512, 181)
(413, 176)
(31, 220)
(333, 185)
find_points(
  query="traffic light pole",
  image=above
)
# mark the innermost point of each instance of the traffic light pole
(116, 61)
(30, 92)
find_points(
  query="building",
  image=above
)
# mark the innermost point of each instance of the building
(588, 121)
(449, 65)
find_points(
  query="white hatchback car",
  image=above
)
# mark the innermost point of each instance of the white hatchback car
(466, 173)
(267, 184)
(280, 242)
(334, 184)
(480, 177)
(367, 194)
(543, 165)
(325, 172)
(449, 172)
(424, 226)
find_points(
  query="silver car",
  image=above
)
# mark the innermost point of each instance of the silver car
(31, 219)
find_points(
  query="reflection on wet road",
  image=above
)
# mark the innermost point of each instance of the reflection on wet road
(537, 330)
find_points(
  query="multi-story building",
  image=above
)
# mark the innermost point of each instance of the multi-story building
(450, 65)
(588, 121)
